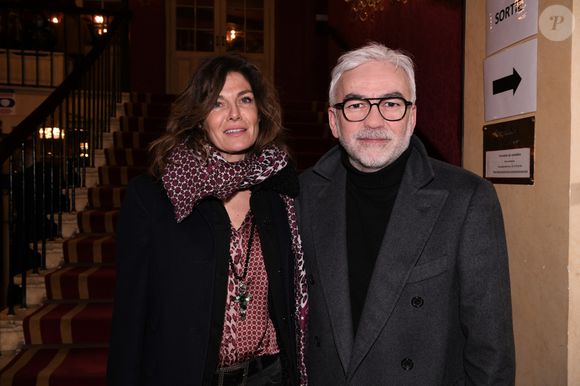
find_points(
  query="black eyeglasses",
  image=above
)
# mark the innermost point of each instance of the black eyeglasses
(357, 109)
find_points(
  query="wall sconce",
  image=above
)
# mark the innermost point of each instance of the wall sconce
(50, 133)
(99, 24)
(55, 19)
(363, 9)
(233, 32)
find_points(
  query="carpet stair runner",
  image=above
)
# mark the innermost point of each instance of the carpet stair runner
(66, 338)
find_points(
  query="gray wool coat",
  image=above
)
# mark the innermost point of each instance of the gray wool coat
(438, 309)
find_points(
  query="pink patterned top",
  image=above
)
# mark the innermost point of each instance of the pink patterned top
(243, 340)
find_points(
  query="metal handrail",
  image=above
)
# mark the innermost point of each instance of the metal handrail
(47, 154)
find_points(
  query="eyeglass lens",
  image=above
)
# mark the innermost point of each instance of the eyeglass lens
(391, 109)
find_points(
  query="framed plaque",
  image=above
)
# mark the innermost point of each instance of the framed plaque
(508, 152)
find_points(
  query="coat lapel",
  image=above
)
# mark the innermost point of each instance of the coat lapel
(329, 224)
(415, 213)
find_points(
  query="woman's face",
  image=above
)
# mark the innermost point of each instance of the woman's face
(232, 124)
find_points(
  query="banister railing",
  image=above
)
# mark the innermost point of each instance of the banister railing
(40, 44)
(45, 157)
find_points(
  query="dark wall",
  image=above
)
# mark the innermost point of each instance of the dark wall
(431, 31)
(301, 59)
(147, 46)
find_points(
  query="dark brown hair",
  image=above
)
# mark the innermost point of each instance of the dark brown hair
(193, 105)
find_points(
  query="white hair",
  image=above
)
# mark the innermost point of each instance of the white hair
(372, 52)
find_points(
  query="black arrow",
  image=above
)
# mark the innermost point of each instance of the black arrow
(510, 82)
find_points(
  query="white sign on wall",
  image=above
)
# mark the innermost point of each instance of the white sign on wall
(7, 102)
(511, 163)
(510, 21)
(510, 81)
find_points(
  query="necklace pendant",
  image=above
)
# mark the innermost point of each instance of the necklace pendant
(242, 288)
(243, 298)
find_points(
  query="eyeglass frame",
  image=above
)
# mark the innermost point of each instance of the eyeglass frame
(340, 106)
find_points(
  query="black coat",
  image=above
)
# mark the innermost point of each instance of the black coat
(438, 309)
(171, 286)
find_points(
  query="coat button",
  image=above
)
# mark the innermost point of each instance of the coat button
(311, 279)
(407, 364)
(317, 341)
(417, 302)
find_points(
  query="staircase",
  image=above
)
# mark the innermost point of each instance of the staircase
(62, 338)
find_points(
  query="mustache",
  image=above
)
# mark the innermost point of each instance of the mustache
(374, 134)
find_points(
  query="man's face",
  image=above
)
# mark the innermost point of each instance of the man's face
(374, 142)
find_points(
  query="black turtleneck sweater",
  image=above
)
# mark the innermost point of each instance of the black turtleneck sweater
(369, 201)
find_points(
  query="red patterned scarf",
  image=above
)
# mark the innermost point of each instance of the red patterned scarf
(189, 178)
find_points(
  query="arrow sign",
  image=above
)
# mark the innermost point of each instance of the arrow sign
(510, 82)
(500, 76)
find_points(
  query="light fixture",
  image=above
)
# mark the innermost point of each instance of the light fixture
(84, 149)
(100, 24)
(365, 9)
(50, 133)
(233, 32)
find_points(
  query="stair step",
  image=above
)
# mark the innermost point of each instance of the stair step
(97, 220)
(142, 124)
(127, 157)
(69, 225)
(91, 176)
(149, 110)
(54, 253)
(68, 365)
(119, 175)
(67, 323)
(114, 124)
(88, 248)
(124, 139)
(106, 197)
(74, 282)
(108, 140)
(11, 331)
(80, 197)
(35, 287)
(11, 336)
(100, 159)
(151, 97)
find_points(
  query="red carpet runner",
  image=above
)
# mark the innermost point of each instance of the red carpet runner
(66, 339)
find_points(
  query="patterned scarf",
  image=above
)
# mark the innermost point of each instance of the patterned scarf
(188, 178)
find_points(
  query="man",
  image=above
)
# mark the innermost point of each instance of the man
(406, 255)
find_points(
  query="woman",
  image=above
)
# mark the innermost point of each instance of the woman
(210, 278)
